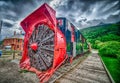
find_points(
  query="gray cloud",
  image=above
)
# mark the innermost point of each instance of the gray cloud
(82, 13)
(90, 10)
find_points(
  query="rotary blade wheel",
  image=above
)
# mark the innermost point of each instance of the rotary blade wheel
(41, 48)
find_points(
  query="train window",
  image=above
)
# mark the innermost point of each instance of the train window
(60, 22)
(72, 34)
(69, 26)
(80, 37)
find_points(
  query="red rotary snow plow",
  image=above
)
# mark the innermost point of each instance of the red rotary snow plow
(44, 44)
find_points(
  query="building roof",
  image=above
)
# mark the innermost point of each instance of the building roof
(18, 36)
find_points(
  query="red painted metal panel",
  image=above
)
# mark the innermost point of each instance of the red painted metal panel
(43, 15)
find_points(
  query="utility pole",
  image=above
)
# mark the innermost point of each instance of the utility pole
(0, 29)
(13, 45)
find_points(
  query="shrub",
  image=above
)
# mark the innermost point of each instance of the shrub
(94, 46)
(78, 46)
(105, 51)
(85, 45)
(110, 49)
(99, 44)
(118, 58)
(109, 37)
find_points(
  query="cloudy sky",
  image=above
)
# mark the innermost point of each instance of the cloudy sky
(82, 13)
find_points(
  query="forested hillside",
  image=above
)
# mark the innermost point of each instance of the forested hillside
(102, 33)
(106, 38)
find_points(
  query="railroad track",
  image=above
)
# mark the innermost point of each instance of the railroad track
(90, 70)
(67, 67)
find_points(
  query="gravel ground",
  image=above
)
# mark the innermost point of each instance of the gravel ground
(11, 73)
(89, 71)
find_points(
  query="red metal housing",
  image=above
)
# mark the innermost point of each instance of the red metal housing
(43, 15)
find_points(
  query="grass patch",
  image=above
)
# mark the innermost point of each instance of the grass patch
(25, 71)
(113, 65)
(9, 52)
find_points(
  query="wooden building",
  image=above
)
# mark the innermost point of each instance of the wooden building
(15, 42)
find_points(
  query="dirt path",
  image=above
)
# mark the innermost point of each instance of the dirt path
(89, 71)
